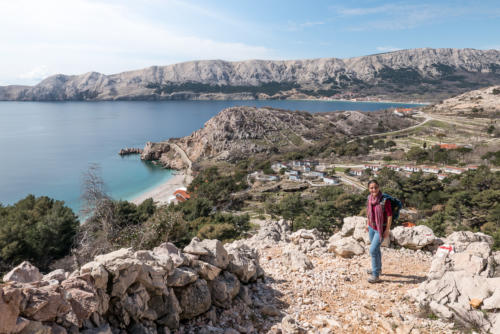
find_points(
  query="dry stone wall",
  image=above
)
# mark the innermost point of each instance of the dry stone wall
(126, 291)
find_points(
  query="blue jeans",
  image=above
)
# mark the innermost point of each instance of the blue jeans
(375, 251)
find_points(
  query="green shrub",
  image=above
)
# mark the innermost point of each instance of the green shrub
(36, 229)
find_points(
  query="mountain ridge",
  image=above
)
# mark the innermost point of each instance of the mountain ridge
(429, 74)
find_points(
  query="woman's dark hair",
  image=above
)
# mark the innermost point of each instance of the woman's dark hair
(373, 181)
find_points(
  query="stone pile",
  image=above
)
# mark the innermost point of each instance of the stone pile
(129, 292)
(463, 283)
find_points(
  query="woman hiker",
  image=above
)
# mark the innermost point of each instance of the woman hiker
(379, 225)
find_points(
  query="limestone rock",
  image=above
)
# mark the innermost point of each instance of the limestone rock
(182, 276)
(10, 300)
(23, 273)
(84, 298)
(104, 329)
(168, 249)
(97, 272)
(297, 260)
(205, 270)
(345, 247)
(243, 262)
(468, 262)
(224, 288)
(153, 151)
(492, 302)
(44, 303)
(462, 239)
(169, 315)
(36, 327)
(413, 237)
(210, 251)
(194, 299)
(58, 275)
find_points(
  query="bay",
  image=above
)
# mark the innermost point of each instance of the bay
(45, 147)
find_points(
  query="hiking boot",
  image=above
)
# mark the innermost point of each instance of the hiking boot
(374, 279)
(368, 271)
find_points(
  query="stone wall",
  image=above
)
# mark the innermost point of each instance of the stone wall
(128, 292)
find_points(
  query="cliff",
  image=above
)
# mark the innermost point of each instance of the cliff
(239, 132)
(422, 74)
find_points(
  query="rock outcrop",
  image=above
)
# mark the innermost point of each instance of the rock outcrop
(136, 292)
(398, 74)
(462, 284)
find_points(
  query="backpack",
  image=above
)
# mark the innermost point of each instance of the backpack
(396, 206)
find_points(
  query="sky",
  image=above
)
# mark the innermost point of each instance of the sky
(39, 38)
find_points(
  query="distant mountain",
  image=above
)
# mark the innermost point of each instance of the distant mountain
(417, 74)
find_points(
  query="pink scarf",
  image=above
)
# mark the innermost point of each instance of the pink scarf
(378, 220)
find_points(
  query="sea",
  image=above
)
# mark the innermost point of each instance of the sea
(46, 147)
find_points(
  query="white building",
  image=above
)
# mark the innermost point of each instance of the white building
(329, 180)
(430, 169)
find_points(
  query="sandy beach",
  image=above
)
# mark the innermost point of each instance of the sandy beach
(164, 191)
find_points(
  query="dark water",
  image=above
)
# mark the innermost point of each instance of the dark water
(45, 147)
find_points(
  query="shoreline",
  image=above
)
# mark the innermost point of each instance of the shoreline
(161, 193)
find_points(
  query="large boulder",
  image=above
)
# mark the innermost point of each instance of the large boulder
(23, 273)
(209, 250)
(416, 237)
(462, 239)
(355, 227)
(194, 299)
(345, 247)
(224, 288)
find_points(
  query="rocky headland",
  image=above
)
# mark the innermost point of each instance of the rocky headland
(277, 281)
(415, 74)
(238, 132)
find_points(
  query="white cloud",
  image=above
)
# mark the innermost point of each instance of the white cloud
(78, 36)
(387, 48)
(294, 26)
(36, 74)
(401, 16)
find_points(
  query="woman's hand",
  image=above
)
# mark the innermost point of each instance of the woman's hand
(387, 233)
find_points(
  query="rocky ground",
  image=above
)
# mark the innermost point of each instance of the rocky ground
(274, 282)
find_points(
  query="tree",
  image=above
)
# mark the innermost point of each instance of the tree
(291, 206)
(39, 230)
(96, 233)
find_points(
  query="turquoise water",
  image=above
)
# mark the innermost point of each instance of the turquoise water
(45, 147)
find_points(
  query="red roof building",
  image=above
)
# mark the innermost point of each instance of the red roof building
(449, 146)
(181, 195)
